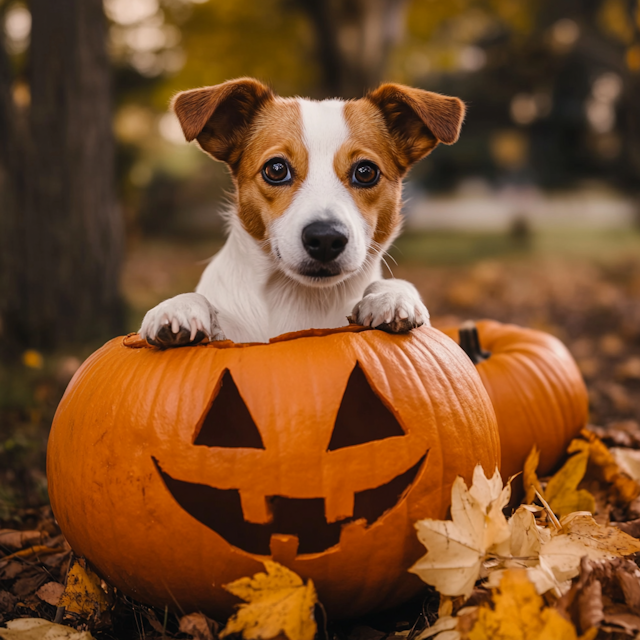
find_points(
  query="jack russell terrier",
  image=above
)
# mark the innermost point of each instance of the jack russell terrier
(318, 199)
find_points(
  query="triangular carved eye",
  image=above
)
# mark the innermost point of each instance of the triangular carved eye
(362, 416)
(229, 423)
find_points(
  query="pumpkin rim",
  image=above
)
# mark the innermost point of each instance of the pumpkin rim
(134, 341)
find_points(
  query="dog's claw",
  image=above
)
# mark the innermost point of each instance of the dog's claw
(393, 306)
(186, 319)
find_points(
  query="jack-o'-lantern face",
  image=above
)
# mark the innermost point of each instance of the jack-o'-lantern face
(176, 472)
(362, 417)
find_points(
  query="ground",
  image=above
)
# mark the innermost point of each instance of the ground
(583, 287)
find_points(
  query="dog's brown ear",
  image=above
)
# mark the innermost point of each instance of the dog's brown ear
(418, 120)
(219, 116)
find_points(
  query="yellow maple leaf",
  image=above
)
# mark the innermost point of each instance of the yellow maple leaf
(519, 614)
(625, 484)
(562, 491)
(530, 477)
(83, 594)
(278, 601)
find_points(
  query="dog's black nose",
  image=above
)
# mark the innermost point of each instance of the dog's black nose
(324, 241)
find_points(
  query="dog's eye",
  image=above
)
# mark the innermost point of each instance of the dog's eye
(365, 174)
(276, 171)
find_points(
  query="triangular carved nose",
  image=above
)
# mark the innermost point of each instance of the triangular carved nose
(362, 416)
(228, 422)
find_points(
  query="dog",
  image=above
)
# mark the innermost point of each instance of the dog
(318, 197)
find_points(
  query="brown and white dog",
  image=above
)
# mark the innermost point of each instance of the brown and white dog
(319, 193)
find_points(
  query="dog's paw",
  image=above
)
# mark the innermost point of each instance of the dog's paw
(391, 305)
(186, 319)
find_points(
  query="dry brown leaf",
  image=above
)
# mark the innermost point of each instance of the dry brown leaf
(39, 629)
(12, 539)
(51, 592)
(198, 626)
(625, 484)
(83, 594)
(7, 602)
(590, 608)
(278, 601)
(629, 369)
(628, 577)
(582, 536)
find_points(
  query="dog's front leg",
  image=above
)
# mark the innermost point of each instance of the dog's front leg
(185, 319)
(391, 305)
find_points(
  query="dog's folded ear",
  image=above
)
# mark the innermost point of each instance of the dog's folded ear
(418, 120)
(219, 116)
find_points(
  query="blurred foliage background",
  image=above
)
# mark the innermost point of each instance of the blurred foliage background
(531, 217)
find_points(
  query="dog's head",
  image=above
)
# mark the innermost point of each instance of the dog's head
(319, 183)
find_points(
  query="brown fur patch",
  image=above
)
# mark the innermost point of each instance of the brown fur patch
(275, 132)
(369, 139)
(219, 116)
(242, 123)
(418, 120)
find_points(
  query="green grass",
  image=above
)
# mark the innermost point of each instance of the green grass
(451, 248)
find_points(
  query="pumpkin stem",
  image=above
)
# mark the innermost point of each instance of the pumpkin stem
(470, 342)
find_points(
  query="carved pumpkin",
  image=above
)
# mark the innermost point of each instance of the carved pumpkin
(535, 386)
(176, 472)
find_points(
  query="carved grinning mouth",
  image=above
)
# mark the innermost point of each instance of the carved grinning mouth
(221, 511)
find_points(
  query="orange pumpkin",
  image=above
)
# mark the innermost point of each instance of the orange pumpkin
(176, 472)
(536, 388)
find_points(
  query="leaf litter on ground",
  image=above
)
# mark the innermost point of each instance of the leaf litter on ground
(548, 555)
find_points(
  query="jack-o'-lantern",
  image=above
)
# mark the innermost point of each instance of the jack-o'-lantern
(535, 386)
(176, 472)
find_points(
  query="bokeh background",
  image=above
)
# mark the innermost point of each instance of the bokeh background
(532, 217)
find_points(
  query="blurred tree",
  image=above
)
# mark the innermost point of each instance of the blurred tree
(60, 227)
(354, 39)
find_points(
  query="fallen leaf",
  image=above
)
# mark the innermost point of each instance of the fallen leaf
(198, 626)
(590, 608)
(627, 621)
(628, 577)
(7, 602)
(628, 460)
(83, 594)
(456, 548)
(519, 614)
(13, 539)
(582, 536)
(36, 551)
(626, 486)
(445, 623)
(278, 602)
(39, 629)
(562, 491)
(529, 477)
(629, 369)
(51, 592)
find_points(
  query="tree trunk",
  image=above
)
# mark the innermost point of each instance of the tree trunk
(66, 236)
(354, 40)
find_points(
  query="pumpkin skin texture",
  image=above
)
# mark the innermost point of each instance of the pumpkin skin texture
(537, 392)
(147, 484)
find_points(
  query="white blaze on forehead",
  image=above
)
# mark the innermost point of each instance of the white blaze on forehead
(324, 131)
(322, 195)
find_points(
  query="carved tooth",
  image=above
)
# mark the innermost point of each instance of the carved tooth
(352, 534)
(255, 508)
(338, 505)
(284, 548)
